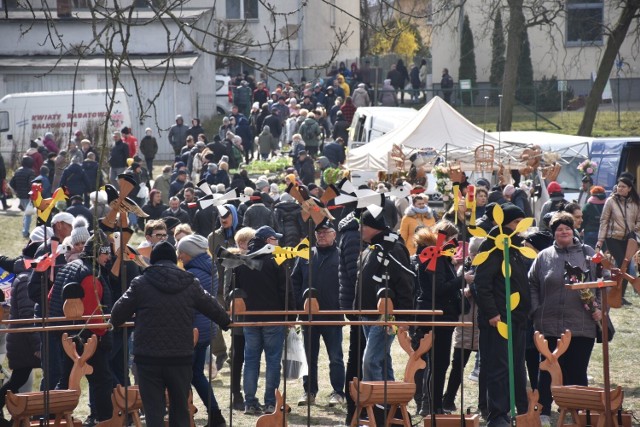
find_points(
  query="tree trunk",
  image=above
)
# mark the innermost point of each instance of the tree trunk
(514, 45)
(364, 28)
(614, 42)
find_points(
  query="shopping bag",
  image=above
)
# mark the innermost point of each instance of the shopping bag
(294, 360)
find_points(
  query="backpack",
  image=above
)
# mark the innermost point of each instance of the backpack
(307, 133)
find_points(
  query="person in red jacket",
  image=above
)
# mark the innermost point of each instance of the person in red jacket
(348, 109)
(130, 140)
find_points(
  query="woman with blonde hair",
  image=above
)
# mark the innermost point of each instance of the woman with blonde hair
(181, 230)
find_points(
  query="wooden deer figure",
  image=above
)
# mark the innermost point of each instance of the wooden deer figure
(550, 364)
(532, 417)
(62, 403)
(279, 417)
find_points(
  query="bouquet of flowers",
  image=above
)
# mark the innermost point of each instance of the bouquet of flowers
(443, 182)
(588, 167)
(589, 302)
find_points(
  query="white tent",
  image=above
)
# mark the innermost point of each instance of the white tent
(437, 126)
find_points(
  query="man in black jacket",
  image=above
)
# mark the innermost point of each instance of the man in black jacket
(385, 263)
(118, 158)
(325, 258)
(21, 185)
(491, 300)
(164, 299)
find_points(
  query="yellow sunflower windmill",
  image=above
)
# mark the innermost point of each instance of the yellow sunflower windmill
(504, 243)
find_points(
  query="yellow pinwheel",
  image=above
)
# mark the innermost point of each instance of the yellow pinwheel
(500, 241)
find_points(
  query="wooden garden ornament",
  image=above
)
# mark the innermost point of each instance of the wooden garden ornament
(532, 417)
(484, 156)
(311, 207)
(572, 398)
(279, 417)
(367, 394)
(615, 293)
(301, 250)
(120, 203)
(62, 403)
(44, 207)
(361, 197)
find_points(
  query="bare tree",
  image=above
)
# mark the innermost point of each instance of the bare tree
(616, 37)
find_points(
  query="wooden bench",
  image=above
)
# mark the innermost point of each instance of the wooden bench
(397, 394)
(61, 403)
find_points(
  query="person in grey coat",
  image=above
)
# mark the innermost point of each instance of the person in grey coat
(178, 135)
(556, 308)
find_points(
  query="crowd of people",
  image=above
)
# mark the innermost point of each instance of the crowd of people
(187, 283)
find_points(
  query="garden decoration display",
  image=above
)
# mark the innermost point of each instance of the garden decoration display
(281, 254)
(216, 199)
(552, 168)
(484, 156)
(531, 157)
(45, 261)
(61, 403)
(397, 394)
(130, 253)
(470, 204)
(532, 417)
(126, 402)
(615, 294)
(431, 254)
(279, 417)
(120, 203)
(363, 198)
(572, 398)
(44, 207)
(588, 168)
(311, 207)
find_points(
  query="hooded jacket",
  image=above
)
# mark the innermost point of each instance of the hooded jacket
(289, 222)
(410, 222)
(620, 216)
(204, 270)
(490, 284)
(76, 181)
(165, 300)
(258, 215)
(554, 307)
(350, 246)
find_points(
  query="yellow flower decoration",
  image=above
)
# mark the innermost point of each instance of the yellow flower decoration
(499, 243)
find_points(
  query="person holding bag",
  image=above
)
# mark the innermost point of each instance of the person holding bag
(619, 222)
(556, 308)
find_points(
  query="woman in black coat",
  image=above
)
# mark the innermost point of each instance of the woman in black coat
(23, 350)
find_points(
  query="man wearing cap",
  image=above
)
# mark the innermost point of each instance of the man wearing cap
(178, 135)
(384, 265)
(90, 274)
(266, 290)
(192, 251)
(491, 300)
(164, 300)
(325, 258)
(555, 203)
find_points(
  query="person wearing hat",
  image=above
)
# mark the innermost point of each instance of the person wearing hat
(178, 135)
(117, 159)
(385, 263)
(149, 149)
(491, 300)
(165, 299)
(591, 212)
(178, 183)
(325, 259)
(556, 308)
(585, 186)
(192, 251)
(620, 221)
(266, 290)
(258, 215)
(306, 168)
(555, 203)
(89, 274)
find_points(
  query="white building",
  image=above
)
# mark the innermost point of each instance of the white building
(570, 50)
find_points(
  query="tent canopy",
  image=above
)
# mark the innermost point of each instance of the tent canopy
(437, 127)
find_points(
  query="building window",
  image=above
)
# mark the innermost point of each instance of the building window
(81, 4)
(585, 19)
(242, 9)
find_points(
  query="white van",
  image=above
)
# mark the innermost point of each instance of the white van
(27, 116)
(223, 95)
(370, 123)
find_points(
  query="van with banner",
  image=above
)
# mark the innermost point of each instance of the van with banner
(27, 116)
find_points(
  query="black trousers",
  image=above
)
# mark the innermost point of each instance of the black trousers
(357, 342)
(18, 378)
(153, 380)
(455, 375)
(237, 354)
(574, 363)
(441, 355)
(494, 360)
(618, 249)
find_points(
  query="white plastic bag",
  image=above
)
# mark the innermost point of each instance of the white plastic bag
(294, 361)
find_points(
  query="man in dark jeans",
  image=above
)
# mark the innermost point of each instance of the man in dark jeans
(165, 298)
(446, 84)
(325, 258)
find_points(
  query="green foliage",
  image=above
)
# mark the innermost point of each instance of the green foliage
(525, 86)
(467, 70)
(498, 48)
(548, 97)
(399, 37)
(268, 166)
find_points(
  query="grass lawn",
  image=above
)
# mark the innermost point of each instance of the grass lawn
(623, 355)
